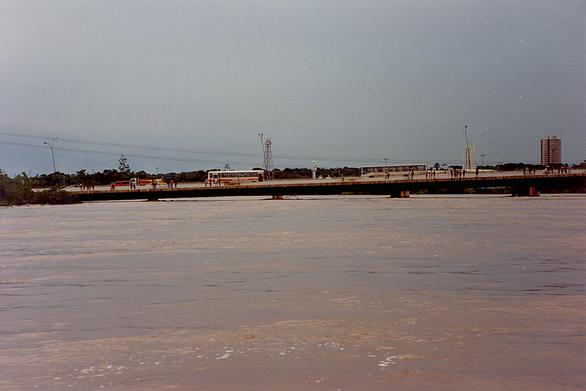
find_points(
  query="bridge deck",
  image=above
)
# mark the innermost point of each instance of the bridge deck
(329, 187)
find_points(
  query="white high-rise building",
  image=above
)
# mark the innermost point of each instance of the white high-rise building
(470, 157)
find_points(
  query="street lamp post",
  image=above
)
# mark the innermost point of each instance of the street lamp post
(465, 128)
(262, 146)
(50, 144)
(467, 157)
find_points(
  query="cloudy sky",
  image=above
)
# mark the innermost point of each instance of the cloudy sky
(182, 85)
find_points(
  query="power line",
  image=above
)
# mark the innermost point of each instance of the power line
(108, 153)
(188, 150)
(133, 146)
(208, 152)
(306, 158)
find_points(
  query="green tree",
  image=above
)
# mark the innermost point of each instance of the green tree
(123, 165)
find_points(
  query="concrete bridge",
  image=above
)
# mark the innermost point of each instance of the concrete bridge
(519, 185)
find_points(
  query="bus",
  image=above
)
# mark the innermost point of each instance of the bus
(234, 177)
(384, 170)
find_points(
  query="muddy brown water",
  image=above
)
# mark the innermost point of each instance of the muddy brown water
(326, 293)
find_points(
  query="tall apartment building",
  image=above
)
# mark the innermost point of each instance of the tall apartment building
(551, 151)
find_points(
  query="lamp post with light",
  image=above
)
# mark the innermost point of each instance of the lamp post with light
(50, 144)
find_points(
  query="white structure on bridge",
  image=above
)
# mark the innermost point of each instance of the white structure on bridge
(469, 152)
(470, 157)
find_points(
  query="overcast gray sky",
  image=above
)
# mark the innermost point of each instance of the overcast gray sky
(354, 80)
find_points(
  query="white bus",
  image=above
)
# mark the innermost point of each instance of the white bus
(234, 177)
(376, 171)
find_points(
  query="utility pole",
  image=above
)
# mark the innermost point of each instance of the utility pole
(262, 146)
(50, 144)
(467, 151)
(466, 134)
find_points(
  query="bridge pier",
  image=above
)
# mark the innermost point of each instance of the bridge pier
(400, 194)
(525, 191)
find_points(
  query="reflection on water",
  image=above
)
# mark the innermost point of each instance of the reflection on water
(337, 293)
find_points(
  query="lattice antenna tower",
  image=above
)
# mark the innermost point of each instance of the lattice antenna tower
(268, 156)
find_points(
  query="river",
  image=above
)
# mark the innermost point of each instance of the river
(314, 293)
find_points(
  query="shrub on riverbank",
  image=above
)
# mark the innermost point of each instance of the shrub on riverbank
(55, 196)
(14, 192)
(18, 191)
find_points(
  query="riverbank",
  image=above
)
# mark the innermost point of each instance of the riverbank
(13, 192)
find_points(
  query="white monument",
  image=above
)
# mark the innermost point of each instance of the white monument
(313, 169)
(470, 157)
